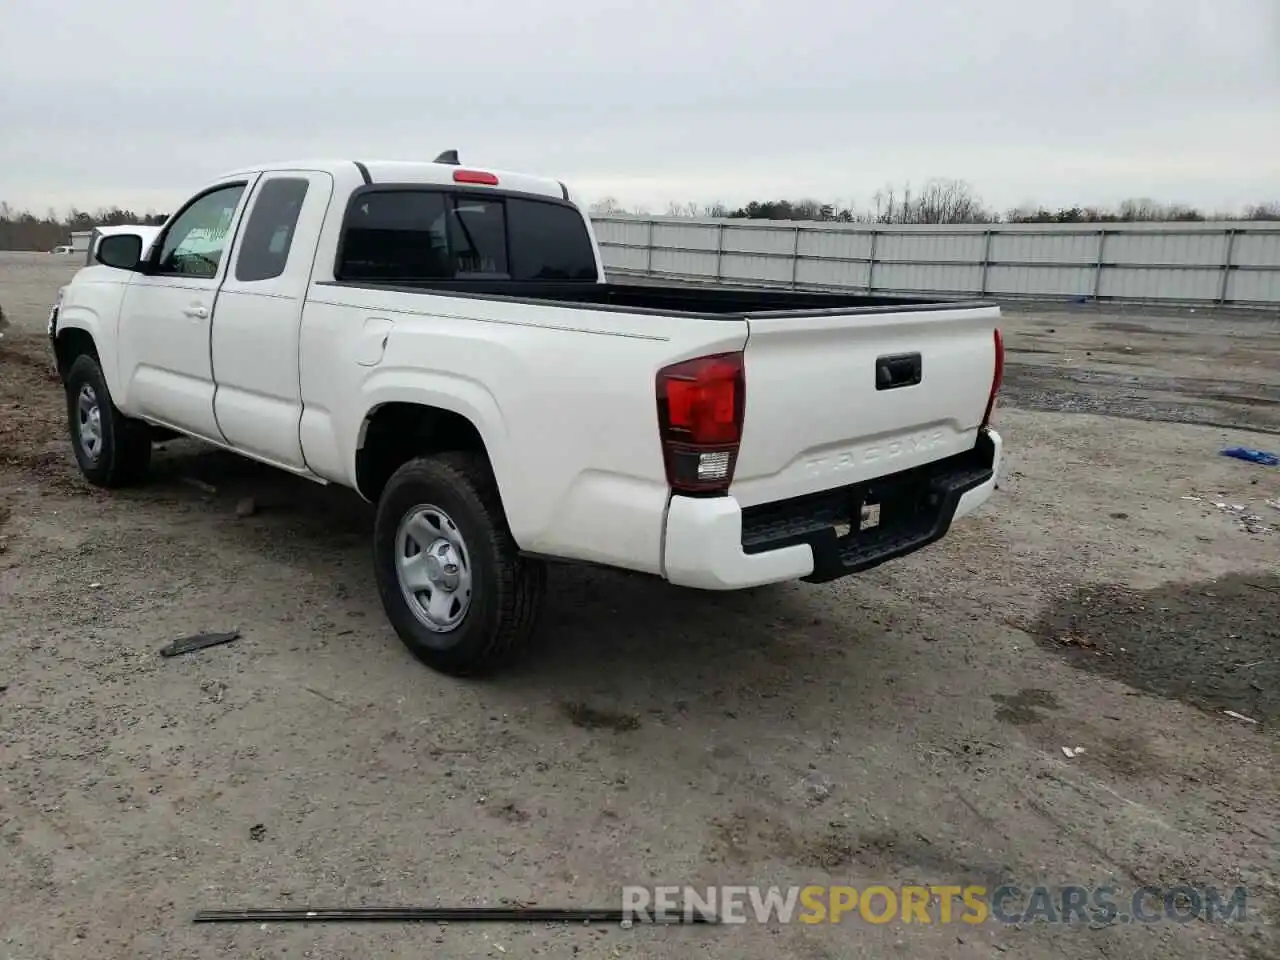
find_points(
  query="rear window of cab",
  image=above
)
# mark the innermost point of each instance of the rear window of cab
(410, 235)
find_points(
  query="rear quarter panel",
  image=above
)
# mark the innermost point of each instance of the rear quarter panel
(563, 398)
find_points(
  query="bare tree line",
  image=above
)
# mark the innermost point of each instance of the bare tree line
(23, 230)
(943, 201)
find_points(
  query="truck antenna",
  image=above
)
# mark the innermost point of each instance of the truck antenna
(449, 156)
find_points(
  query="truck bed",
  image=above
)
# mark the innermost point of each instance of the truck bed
(696, 301)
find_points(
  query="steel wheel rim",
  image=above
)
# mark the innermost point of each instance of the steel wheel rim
(89, 422)
(433, 568)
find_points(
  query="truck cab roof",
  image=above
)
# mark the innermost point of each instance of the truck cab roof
(374, 172)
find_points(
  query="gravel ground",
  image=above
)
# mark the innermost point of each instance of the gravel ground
(1185, 367)
(902, 726)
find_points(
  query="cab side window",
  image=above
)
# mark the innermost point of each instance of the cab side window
(194, 244)
(268, 233)
(397, 236)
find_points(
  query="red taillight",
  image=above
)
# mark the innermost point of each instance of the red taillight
(700, 407)
(475, 176)
(997, 378)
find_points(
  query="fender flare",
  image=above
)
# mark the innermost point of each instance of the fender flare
(466, 397)
(82, 322)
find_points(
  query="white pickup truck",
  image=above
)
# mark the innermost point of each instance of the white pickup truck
(443, 340)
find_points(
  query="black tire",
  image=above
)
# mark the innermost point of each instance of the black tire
(506, 589)
(124, 450)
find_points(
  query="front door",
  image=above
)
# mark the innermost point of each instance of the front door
(167, 316)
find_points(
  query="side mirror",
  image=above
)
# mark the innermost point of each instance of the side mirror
(120, 250)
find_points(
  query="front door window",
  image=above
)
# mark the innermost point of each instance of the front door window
(194, 244)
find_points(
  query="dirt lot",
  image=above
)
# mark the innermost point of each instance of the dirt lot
(903, 726)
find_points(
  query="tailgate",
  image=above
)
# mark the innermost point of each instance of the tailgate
(834, 399)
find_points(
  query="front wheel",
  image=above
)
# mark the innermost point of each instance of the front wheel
(452, 580)
(111, 449)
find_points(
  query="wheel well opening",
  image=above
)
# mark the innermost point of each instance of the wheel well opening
(71, 344)
(395, 433)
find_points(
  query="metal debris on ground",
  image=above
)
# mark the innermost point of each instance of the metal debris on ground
(198, 641)
(1239, 716)
(1248, 522)
(443, 915)
(1072, 752)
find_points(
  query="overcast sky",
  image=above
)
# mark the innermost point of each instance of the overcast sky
(137, 102)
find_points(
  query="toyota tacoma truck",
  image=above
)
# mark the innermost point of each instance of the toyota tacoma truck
(443, 340)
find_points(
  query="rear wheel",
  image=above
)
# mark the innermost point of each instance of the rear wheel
(111, 449)
(451, 578)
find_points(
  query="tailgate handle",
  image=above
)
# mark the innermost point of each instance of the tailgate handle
(898, 370)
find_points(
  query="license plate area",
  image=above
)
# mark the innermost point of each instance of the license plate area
(868, 517)
(881, 510)
(915, 509)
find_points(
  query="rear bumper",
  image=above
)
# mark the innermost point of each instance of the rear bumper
(713, 544)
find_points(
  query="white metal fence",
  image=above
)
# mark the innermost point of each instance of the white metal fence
(1230, 263)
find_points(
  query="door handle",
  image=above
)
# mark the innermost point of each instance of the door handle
(196, 311)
